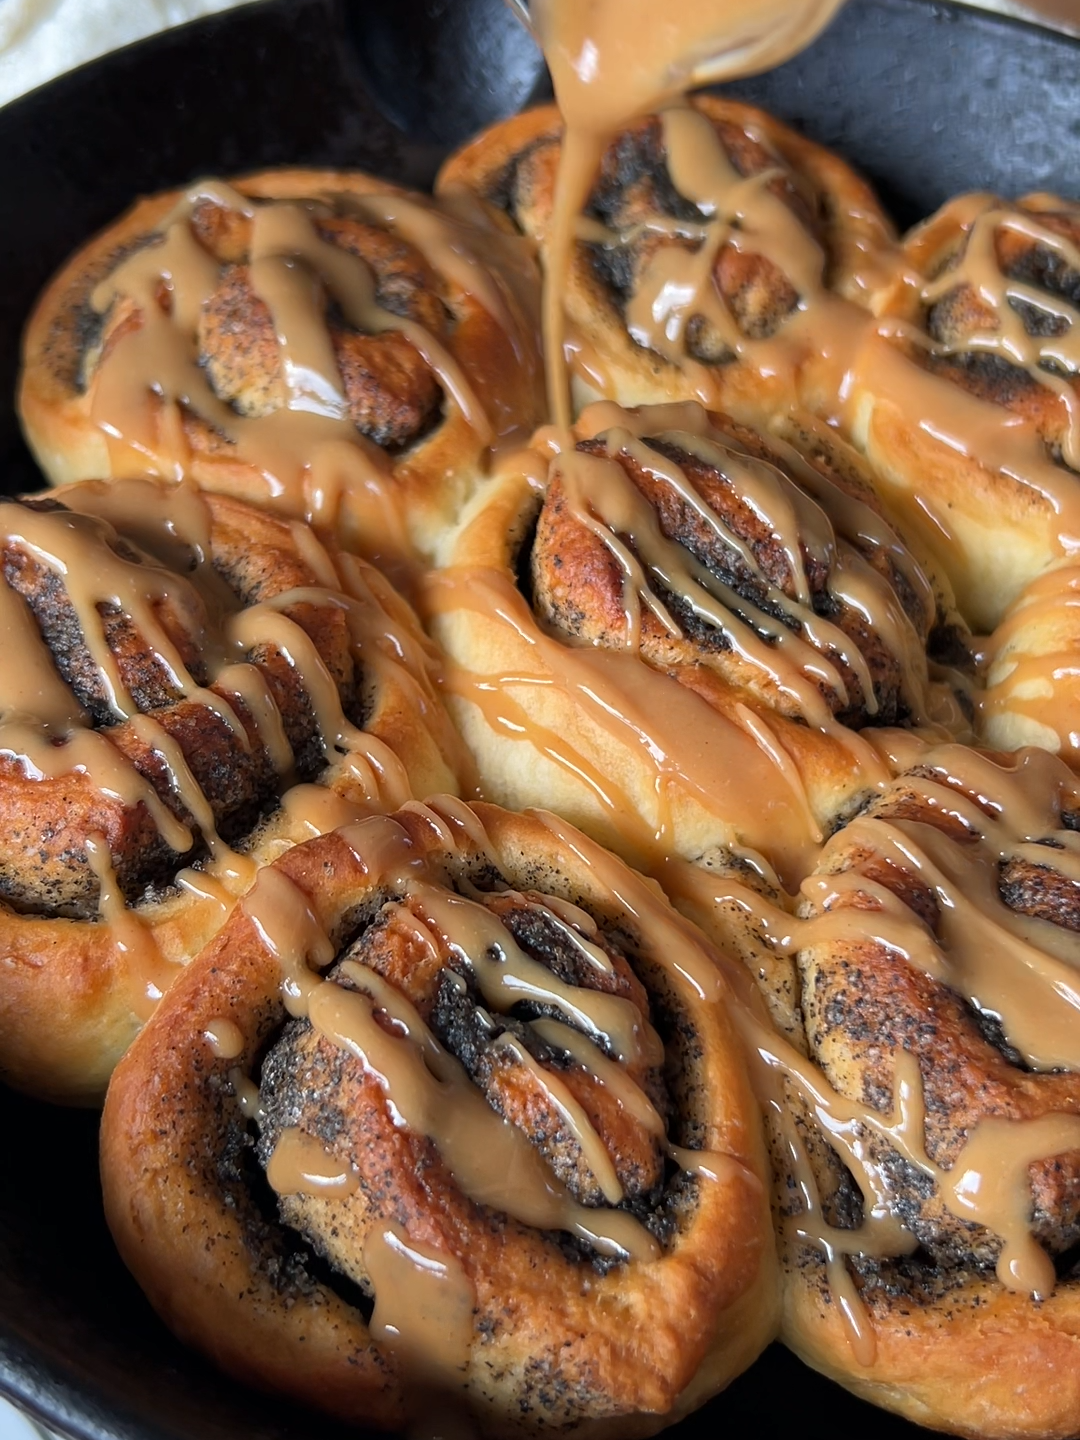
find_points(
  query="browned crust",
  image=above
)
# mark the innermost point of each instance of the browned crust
(982, 1363)
(1003, 530)
(433, 476)
(1032, 676)
(69, 1001)
(578, 587)
(171, 1120)
(518, 771)
(626, 372)
(953, 1349)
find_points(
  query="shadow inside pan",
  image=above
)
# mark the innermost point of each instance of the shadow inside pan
(925, 99)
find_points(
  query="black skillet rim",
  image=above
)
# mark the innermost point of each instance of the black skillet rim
(59, 1388)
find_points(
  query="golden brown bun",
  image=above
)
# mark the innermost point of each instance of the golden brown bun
(85, 952)
(407, 451)
(1032, 676)
(900, 1043)
(833, 211)
(683, 731)
(989, 1366)
(553, 1340)
(976, 446)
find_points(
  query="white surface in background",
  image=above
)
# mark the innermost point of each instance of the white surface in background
(1061, 14)
(15, 1426)
(42, 38)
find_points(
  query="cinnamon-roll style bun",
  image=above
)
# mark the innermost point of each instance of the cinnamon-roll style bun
(451, 1116)
(722, 257)
(1031, 691)
(968, 401)
(322, 343)
(178, 670)
(922, 1084)
(671, 632)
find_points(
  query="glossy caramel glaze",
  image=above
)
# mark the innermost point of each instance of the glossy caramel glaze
(1032, 669)
(721, 291)
(180, 669)
(967, 399)
(646, 630)
(918, 1064)
(761, 543)
(320, 343)
(474, 998)
(707, 642)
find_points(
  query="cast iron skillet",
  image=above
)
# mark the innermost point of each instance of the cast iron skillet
(926, 99)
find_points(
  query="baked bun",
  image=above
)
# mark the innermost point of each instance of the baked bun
(969, 405)
(921, 1074)
(668, 632)
(1031, 694)
(509, 1107)
(179, 670)
(717, 249)
(321, 343)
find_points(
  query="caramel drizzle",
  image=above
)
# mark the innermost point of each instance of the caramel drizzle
(794, 659)
(492, 1161)
(610, 1074)
(310, 455)
(225, 1038)
(505, 974)
(695, 755)
(573, 1116)
(851, 350)
(148, 972)
(741, 212)
(987, 952)
(980, 220)
(610, 63)
(1032, 672)
(426, 1086)
(879, 373)
(46, 733)
(424, 1303)
(61, 540)
(572, 924)
(1010, 965)
(988, 1182)
(301, 1165)
(458, 241)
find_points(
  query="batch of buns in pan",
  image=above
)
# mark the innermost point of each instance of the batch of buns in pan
(560, 910)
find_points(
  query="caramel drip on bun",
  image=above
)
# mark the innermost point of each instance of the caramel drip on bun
(301, 1166)
(606, 1037)
(610, 63)
(1032, 689)
(733, 546)
(966, 871)
(750, 216)
(723, 761)
(967, 393)
(112, 661)
(423, 1315)
(267, 327)
(1030, 326)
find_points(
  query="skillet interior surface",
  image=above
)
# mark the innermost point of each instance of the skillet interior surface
(926, 99)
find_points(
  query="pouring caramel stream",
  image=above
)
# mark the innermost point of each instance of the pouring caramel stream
(613, 60)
